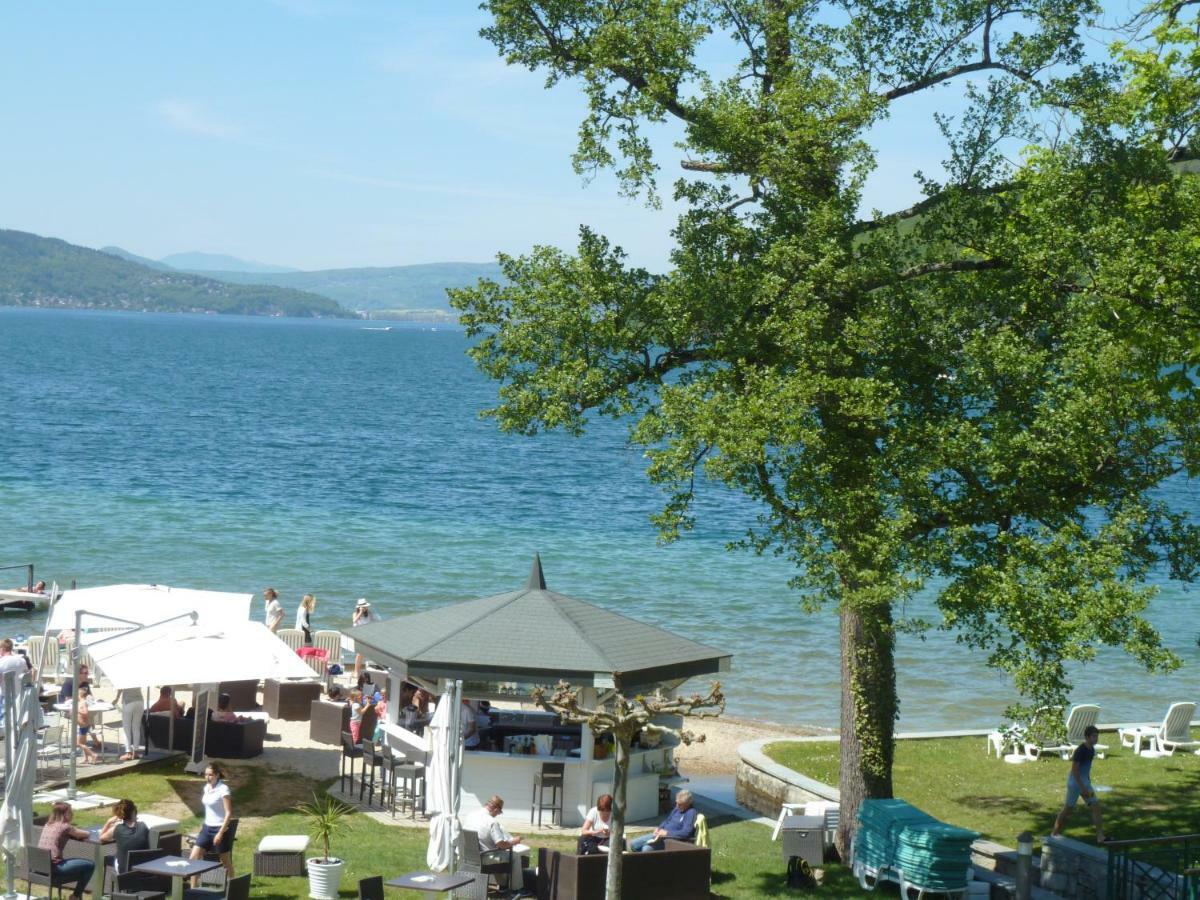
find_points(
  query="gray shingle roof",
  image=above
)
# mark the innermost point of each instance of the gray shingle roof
(535, 633)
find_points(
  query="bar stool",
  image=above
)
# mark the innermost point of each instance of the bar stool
(549, 779)
(350, 751)
(408, 787)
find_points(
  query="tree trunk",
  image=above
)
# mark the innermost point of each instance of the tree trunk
(869, 708)
(616, 829)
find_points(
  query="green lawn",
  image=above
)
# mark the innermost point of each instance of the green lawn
(746, 864)
(953, 780)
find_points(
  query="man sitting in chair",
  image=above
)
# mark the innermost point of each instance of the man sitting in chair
(496, 844)
(679, 825)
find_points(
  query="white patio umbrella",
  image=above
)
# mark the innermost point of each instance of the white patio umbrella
(147, 603)
(442, 781)
(16, 814)
(175, 653)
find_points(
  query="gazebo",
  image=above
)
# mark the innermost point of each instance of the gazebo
(504, 645)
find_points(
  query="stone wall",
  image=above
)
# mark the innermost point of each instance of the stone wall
(1074, 869)
(764, 786)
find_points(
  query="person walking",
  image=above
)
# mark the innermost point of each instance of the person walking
(304, 618)
(84, 723)
(1079, 785)
(133, 704)
(55, 834)
(274, 609)
(218, 811)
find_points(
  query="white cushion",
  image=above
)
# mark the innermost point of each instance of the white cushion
(283, 843)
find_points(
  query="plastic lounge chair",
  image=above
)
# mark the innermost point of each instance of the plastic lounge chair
(1174, 732)
(1080, 718)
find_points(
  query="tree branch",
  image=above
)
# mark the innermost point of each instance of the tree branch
(965, 69)
(925, 205)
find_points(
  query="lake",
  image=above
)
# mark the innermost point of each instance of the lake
(235, 453)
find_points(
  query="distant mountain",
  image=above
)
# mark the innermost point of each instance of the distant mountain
(38, 271)
(396, 288)
(218, 262)
(134, 258)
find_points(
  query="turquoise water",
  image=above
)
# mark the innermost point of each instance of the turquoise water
(235, 453)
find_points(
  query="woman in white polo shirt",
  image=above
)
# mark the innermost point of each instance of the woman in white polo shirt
(218, 812)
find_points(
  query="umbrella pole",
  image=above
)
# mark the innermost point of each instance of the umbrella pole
(73, 727)
(455, 767)
(11, 686)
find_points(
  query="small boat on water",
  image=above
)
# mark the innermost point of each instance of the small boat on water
(23, 601)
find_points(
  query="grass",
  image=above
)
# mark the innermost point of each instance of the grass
(746, 863)
(953, 780)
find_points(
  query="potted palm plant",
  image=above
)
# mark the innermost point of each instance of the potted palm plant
(326, 817)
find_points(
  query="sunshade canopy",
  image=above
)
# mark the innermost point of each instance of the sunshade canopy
(146, 603)
(535, 635)
(170, 654)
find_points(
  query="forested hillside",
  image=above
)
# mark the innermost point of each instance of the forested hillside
(47, 272)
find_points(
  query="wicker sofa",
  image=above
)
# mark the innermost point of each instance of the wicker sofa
(681, 871)
(327, 720)
(290, 700)
(222, 740)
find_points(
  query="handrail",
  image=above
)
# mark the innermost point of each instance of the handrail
(28, 567)
(1109, 845)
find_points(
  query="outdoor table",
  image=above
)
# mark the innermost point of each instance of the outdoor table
(432, 882)
(172, 868)
(96, 713)
(97, 884)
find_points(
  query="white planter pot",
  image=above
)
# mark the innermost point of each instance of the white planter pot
(324, 878)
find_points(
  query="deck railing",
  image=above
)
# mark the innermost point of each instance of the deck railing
(1164, 868)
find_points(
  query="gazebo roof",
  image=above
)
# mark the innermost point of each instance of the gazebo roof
(535, 635)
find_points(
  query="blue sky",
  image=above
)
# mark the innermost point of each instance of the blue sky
(314, 134)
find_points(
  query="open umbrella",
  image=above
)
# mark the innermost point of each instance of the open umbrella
(442, 781)
(16, 814)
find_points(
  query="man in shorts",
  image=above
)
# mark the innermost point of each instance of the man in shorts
(1079, 784)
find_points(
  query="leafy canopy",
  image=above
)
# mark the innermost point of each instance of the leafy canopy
(984, 389)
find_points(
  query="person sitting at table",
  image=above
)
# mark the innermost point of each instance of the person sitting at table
(493, 838)
(218, 810)
(67, 688)
(679, 825)
(166, 702)
(55, 834)
(129, 833)
(225, 711)
(596, 826)
(84, 723)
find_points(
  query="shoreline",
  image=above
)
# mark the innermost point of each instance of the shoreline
(717, 753)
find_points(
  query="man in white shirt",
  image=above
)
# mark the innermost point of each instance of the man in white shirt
(493, 837)
(10, 662)
(468, 723)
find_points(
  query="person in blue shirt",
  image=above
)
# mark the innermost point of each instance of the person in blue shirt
(679, 825)
(1079, 784)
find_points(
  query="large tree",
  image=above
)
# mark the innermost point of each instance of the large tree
(979, 394)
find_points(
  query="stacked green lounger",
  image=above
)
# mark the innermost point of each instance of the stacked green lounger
(897, 842)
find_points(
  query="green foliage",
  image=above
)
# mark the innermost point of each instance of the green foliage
(985, 389)
(327, 817)
(37, 271)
